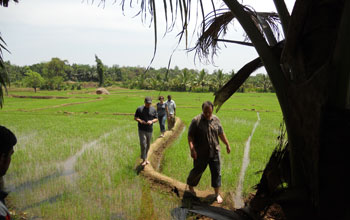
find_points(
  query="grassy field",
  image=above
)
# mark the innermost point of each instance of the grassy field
(106, 186)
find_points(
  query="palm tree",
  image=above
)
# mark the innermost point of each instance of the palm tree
(201, 79)
(219, 79)
(184, 79)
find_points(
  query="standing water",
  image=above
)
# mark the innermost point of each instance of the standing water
(238, 200)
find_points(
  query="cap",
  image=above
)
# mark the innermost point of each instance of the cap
(148, 100)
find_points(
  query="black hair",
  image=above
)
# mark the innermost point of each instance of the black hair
(206, 104)
(7, 140)
(169, 96)
(160, 97)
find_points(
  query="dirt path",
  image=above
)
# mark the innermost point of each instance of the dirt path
(155, 155)
(238, 200)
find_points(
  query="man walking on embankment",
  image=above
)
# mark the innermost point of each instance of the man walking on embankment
(203, 139)
(146, 116)
(171, 112)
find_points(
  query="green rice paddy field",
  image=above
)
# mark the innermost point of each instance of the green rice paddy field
(104, 183)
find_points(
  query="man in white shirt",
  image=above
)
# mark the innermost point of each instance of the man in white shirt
(171, 112)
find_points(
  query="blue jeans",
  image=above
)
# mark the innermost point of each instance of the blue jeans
(161, 119)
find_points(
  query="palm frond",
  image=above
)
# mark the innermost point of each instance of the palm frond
(215, 25)
(3, 73)
(5, 3)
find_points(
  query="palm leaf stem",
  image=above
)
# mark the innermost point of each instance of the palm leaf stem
(235, 42)
(269, 59)
(340, 61)
(283, 14)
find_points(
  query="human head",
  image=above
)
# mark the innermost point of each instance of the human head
(207, 108)
(148, 101)
(7, 141)
(169, 97)
(160, 98)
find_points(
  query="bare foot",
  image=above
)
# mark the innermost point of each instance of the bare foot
(219, 199)
(192, 190)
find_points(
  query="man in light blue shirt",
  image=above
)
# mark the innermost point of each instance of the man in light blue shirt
(171, 112)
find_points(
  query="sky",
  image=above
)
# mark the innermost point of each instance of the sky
(75, 30)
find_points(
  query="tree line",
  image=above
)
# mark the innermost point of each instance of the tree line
(58, 74)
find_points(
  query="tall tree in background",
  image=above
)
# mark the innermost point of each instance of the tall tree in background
(33, 79)
(100, 70)
(54, 73)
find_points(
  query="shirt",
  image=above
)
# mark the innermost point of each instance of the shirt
(161, 109)
(171, 106)
(205, 135)
(146, 114)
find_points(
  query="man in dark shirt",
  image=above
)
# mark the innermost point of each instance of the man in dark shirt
(203, 139)
(145, 115)
(7, 141)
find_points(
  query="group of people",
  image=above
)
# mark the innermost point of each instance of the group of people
(146, 115)
(204, 133)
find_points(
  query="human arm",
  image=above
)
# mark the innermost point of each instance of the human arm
(223, 138)
(167, 111)
(139, 120)
(192, 149)
(152, 121)
(190, 138)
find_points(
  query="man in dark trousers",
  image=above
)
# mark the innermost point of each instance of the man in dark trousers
(146, 116)
(7, 142)
(203, 139)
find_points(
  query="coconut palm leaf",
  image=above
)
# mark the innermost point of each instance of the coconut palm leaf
(215, 25)
(5, 3)
(3, 73)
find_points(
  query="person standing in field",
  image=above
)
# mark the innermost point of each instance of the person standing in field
(161, 111)
(203, 139)
(146, 116)
(7, 141)
(171, 112)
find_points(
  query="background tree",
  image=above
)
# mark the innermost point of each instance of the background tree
(33, 79)
(100, 71)
(54, 73)
(202, 79)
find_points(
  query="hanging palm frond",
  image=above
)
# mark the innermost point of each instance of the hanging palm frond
(215, 24)
(5, 3)
(3, 73)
